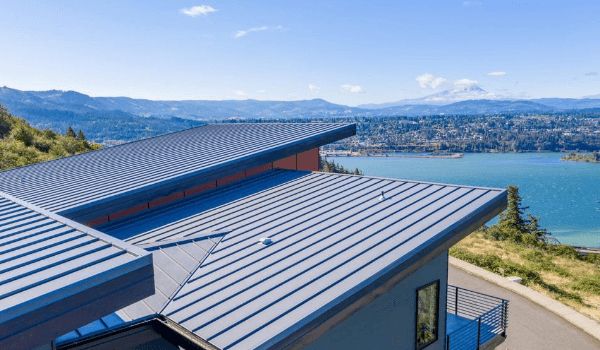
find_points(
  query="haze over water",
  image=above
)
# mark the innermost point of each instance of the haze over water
(566, 195)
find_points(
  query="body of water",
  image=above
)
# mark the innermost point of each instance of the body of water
(566, 195)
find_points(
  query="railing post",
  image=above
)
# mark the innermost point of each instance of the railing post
(504, 316)
(478, 332)
(456, 301)
(448, 342)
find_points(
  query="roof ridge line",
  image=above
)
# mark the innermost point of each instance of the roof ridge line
(186, 239)
(126, 246)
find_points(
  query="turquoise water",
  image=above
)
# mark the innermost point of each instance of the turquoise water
(566, 195)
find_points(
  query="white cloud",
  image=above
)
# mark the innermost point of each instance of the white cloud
(313, 88)
(472, 3)
(240, 93)
(496, 74)
(428, 81)
(466, 82)
(352, 88)
(196, 11)
(261, 91)
(241, 33)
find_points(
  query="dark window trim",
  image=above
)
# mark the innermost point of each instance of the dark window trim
(437, 314)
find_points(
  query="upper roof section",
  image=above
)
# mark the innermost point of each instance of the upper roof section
(57, 275)
(97, 183)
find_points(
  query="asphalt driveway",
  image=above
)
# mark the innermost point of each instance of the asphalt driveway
(530, 326)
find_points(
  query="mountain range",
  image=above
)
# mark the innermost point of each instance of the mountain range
(56, 109)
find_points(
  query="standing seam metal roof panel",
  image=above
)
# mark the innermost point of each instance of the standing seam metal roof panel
(51, 266)
(332, 238)
(73, 183)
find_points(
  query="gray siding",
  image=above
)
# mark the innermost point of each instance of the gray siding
(388, 322)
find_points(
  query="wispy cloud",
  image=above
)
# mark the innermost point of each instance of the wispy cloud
(428, 81)
(196, 11)
(352, 88)
(261, 91)
(591, 73)
(313, 88)
(472, 3)
(465, 82)
(496, 74)
(240, 93)
(241, 33)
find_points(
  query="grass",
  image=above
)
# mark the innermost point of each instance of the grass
(558, 272)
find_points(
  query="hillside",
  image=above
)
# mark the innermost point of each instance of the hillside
(22, 144)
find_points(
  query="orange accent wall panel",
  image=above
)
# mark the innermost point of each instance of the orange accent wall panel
(309, 160)
(286, 163)
(259, 169)
(201, 188)
(231, 178)
(129, 211)
(97, 221)
(166, 199)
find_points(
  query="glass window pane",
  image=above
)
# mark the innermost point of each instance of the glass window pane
(427, 314)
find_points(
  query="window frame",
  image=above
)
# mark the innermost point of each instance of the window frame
(437, 314)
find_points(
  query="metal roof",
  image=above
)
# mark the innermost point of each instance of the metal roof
(57, 275)
(333, 236)
(174, 262)
(79, 186)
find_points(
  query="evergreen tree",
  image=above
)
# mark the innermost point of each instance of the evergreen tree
(70, 132)
(80, 135)
(512, 217)
(513, 226)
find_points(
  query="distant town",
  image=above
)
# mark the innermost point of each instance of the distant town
(445, 135)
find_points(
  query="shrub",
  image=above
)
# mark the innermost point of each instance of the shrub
(20, 133)
(49, 134)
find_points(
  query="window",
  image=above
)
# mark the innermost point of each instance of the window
(428, 303)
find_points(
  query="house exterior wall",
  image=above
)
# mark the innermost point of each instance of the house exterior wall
(389, 321)
(308, 161)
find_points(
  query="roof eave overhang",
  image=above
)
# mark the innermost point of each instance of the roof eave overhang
(164, 188)
(309, 328)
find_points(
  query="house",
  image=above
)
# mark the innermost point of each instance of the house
(227, 237)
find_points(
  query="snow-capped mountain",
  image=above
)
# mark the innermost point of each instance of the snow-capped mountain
(441, 98)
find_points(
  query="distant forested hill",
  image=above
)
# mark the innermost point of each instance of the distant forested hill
(108, 127)
(22, 144)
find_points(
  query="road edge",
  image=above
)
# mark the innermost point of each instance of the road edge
(574, 317)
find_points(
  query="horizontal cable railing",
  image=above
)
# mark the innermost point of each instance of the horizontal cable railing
(482, 318)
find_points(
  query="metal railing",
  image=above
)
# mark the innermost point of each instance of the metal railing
(483, 317)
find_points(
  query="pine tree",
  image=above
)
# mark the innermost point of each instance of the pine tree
(80, 135)
(513, 226)
(512, 217)
(70, 132)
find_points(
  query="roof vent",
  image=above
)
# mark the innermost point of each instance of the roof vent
(265, 241)
(382, 197)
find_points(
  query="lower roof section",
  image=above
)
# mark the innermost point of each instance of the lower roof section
(299, 245)
(57, 275)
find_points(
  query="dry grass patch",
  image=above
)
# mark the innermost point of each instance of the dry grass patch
(570, 280)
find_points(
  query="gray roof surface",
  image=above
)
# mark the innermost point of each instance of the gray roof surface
(75, 182)
(332, 237)
(45, 258)
(174, 262)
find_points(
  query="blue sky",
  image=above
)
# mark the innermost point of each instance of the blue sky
(345, 52)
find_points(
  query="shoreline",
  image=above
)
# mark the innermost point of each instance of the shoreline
(386, 155)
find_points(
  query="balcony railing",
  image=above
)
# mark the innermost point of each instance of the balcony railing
(474, 320)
